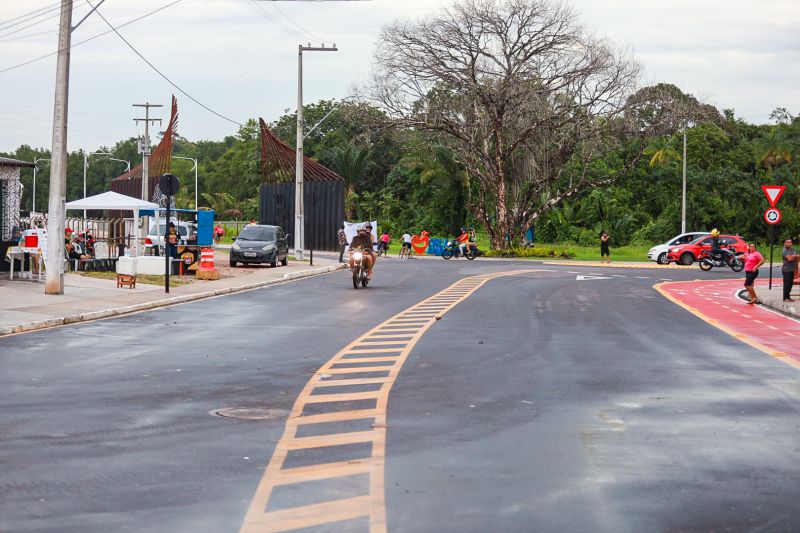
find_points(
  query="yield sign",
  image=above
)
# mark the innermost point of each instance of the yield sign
(773, 193)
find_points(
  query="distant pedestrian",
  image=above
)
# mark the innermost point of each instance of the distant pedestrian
(752, 260)
(342, 243)
(219, 231)
(604, 250)
(788, 268)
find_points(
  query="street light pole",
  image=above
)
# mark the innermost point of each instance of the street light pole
(683, 197)
(35, 161)
(299, 229)
(193, 160)
(86, 167)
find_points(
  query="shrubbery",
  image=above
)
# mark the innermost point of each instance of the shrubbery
(533, 251)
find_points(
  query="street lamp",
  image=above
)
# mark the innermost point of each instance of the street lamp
(36, 160)
(299, 230)
(193, 160)
(86, 167)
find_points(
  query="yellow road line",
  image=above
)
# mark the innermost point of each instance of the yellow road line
(411, 323)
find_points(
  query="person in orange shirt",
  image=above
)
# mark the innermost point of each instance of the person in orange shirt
(463, 241)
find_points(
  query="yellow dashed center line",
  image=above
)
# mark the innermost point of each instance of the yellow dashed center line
(383, 349)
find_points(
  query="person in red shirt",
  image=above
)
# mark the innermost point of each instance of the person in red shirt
(752, 260)
(463, 241)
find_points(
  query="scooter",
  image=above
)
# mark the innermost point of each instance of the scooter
(452, 249)
(731, 259)
(359, 269)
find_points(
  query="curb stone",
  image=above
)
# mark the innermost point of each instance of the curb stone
(185, 298)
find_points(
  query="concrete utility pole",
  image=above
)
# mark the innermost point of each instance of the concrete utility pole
(54, 275)
(299, 229)
(144, 144)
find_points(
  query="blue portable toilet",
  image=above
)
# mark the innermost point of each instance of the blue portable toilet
(205, 227)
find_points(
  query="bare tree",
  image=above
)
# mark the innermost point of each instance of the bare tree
(532, 104)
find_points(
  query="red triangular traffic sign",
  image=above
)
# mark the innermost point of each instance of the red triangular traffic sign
(773, 193)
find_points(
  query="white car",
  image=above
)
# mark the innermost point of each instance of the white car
(659, 253)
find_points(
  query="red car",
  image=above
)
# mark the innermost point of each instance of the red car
(686, 254)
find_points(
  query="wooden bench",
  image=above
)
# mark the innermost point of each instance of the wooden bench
(126, 280)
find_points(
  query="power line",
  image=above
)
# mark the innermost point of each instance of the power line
(92, 38)
(10, 23)
(187, 95)
(290, 31)
(291, 21)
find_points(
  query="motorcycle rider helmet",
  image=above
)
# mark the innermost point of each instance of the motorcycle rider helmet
(361, 229)
(715, 232)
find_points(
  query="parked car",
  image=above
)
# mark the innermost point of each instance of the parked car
(660, 252)
(186, 230)
(260, 244)
(686, 254)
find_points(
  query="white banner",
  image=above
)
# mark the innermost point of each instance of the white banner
(351, 229)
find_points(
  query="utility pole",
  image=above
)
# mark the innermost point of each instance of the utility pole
(299, 228)
(144, 144)
(54, 275)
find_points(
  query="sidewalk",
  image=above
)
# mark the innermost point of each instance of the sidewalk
(25, 307)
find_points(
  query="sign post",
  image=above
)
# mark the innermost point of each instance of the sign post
(772, 216)
(168, 184)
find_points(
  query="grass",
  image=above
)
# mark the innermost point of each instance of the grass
(620, 253)
(141, 278)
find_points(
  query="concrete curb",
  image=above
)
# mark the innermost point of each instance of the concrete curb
(788, 309)
(117, 311)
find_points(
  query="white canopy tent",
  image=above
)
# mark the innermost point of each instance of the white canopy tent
(116, 202)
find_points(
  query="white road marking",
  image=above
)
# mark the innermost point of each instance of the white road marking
(585, 278)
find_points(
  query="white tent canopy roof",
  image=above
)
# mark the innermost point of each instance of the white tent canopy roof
(111, 200)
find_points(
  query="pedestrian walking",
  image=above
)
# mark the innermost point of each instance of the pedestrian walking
(342, 243)
(788, 268)
(752, 260)
(604, 250)
(219, 231)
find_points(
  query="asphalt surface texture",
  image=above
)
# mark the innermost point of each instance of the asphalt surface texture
(539, 403)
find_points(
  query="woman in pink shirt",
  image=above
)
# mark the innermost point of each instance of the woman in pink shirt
(752, 260)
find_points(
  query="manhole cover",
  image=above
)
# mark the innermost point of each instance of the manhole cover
(251, 413)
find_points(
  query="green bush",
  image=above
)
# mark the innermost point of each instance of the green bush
(533, 251)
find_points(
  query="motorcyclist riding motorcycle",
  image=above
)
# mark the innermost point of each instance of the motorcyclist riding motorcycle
(463, 241)
(717, 251)
(363, 241)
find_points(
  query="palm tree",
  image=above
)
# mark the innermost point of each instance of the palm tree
(352, 164)
(774, 148)
(661, 152)
(223, 203)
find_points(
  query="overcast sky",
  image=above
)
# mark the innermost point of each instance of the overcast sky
(239, 57)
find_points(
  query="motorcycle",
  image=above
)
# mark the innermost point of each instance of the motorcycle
(732, 259)
(452, 249)
(359, 269)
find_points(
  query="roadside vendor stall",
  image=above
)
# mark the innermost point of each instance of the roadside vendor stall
(195, 228)
(113, 201)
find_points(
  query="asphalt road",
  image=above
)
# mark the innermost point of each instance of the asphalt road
(538, 403)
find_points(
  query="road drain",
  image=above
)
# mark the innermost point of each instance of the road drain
(251, 413)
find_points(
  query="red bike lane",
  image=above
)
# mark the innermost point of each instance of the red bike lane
(716, 302)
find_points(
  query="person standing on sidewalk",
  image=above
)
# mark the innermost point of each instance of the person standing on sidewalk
(788, 268)
(342, 242)
(605, 252)
(752, 260)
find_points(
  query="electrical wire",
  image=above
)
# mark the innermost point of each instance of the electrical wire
(288, 30)
(187, 95)
(291, 21)
(31, 15)
(92, 37)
